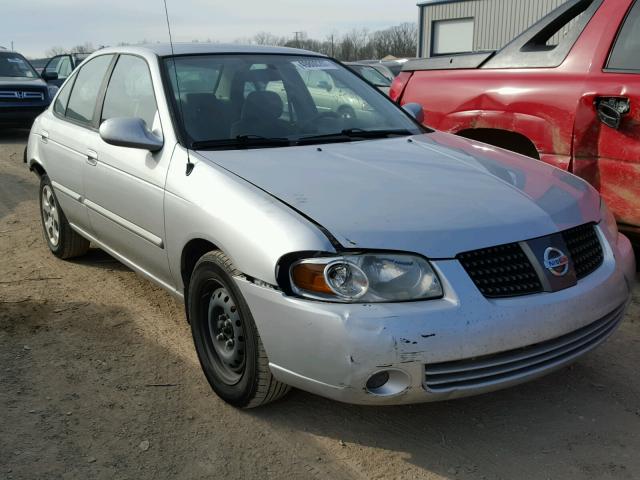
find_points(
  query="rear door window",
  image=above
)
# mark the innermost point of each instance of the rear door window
(626, 51)
(60, 105)
(84, 96)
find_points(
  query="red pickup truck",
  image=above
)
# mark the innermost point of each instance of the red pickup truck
(566, 91)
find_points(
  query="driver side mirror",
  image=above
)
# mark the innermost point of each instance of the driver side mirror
(131, 133)
(415, 110)
(49, 76)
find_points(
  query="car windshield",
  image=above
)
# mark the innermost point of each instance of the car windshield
(372, 75)
(243, 101)
(14, 65)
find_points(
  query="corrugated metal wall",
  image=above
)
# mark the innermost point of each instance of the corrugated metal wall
(496, 21)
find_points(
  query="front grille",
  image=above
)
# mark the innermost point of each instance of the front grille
(514, 364)
(506, 271)
(584, 248)
(503, 271)
(19, 95)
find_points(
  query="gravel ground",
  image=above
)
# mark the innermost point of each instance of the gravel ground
(99, 379)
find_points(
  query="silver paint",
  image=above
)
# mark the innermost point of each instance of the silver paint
(436, 195)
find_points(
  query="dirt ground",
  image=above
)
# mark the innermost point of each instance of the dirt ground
(99, 380)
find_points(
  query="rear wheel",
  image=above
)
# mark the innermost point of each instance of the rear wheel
(226, 338)
(62, 240)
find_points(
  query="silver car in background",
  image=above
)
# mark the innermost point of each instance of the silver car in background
(364, 258)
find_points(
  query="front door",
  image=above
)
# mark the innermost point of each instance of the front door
(125, 186)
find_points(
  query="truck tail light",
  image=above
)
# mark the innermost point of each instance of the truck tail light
(398, 86)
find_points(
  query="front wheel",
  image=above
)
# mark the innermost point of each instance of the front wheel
(226, 338)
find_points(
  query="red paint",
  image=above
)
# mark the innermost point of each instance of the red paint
(553, 107)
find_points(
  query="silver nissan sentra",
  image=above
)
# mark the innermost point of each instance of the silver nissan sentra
(349, 252)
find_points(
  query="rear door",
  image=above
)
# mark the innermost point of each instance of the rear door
(66, 140)
(617, 89)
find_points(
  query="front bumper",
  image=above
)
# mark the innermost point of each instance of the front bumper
(332, 350)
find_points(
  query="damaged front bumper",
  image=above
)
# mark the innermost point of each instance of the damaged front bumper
(461, 345)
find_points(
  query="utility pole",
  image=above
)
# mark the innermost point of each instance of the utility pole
(12, 45)
(332, 46)
(298, 35)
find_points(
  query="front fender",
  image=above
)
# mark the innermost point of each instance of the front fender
(251, 227)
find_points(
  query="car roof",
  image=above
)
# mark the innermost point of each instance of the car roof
(166, 50)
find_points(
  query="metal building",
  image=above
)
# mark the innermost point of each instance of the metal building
(458, 26)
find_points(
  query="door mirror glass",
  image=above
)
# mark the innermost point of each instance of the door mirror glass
(415, 110)
(131, 133)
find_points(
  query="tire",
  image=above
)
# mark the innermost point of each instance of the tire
(62, 240)
(226, 338)
(346, 112)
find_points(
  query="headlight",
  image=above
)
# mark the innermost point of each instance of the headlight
(52, 91)
(365, 278)
(608, 223)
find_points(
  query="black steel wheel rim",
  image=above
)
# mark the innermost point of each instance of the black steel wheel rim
(224, 333)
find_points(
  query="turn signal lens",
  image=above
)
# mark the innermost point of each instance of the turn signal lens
(310, 277)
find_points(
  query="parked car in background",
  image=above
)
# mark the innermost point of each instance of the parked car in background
(385, 71)
(332, 95)
(23, 94)
(566, 91)
(393, 66)
(366, 259)
(372, 75)
(58, 68)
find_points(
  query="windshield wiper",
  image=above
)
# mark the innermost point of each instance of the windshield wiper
(350, 134)
(242, 141)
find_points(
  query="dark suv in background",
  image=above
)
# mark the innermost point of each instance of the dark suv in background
(23, 93)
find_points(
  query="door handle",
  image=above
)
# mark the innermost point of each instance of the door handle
(92, 157)
(44, 136)
(611, 110)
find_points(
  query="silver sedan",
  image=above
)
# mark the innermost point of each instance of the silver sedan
(364, 258)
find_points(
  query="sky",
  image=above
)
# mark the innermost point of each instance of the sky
(37, 25)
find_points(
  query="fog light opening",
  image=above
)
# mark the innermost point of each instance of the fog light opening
(387, 382)
(377, 381)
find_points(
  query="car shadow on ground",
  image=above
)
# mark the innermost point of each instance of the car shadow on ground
(13, 136)
(15, 191)
(98, 258)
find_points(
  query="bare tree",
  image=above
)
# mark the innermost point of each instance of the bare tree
(266, 38)
(86, 47)
(53, 51)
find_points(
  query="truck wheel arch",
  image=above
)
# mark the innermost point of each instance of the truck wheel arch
(513, 141)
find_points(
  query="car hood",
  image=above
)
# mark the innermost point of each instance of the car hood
(434, 194)
(22, 82)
